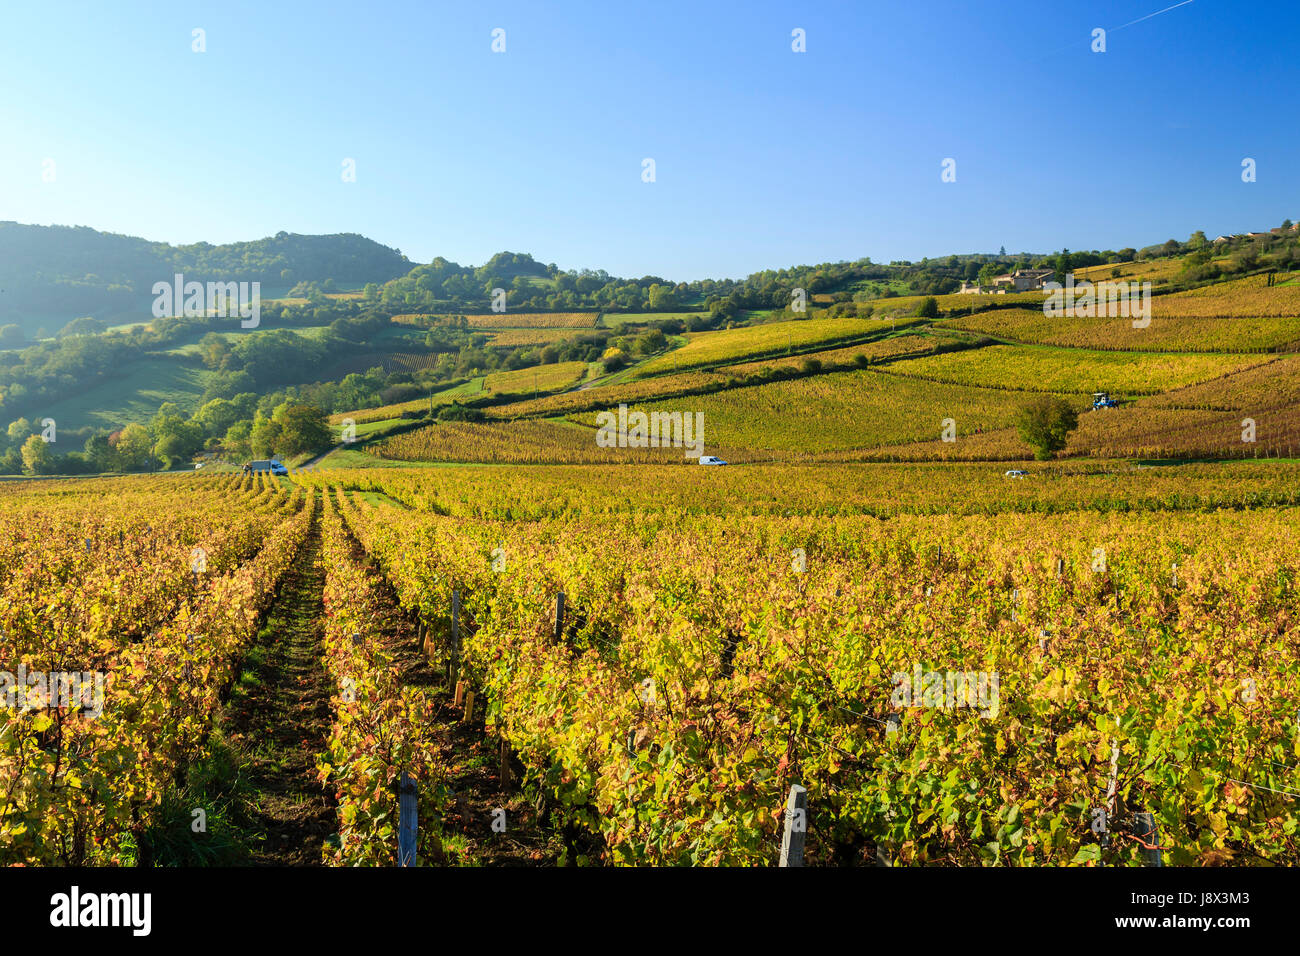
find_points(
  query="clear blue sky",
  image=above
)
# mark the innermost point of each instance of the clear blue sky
(765, 158)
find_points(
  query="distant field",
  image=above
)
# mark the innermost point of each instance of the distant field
(1136, 431)
(128, 326)
(543, 378)
(1045, 369)
(1184, 334)
(523, 442)
(839, 411)
(1151, 432)
(881, 350)
(1148, 270)
(516, 338)
(388, 412)
(192, 347)
(1249, 297)
(641, 318)
(508, 320)
(1264, 386)
(630, 391)
(903, 306)
(134, 396)
(733, 345)
(603, 396)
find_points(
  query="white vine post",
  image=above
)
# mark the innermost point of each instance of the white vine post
(796, 825)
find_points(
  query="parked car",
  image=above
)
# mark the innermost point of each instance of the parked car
(711, 460)
(1016, 473)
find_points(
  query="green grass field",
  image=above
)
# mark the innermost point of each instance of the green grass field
(132, 396)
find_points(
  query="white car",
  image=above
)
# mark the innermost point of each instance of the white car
(711, 460)
(1016, 473)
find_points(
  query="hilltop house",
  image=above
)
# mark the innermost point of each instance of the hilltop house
(1022, 280)
(1025, 280)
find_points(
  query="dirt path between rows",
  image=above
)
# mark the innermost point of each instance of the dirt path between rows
(279, 718)
(475, 795)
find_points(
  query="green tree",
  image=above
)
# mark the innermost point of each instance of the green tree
(1045, 425)
(238, 441)
(651, 341)
(662, 297)
(100, 453)
(303, 428)
(86, 325)
(169, 449)
(215, 351)
(37, 457)
(134, 448)
(1062, 265)
(19, 429)
(264, 438)
(929, 308)
(217, 416)
(175, 437)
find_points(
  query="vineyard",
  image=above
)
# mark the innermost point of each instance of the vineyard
(1044, 369)
(545, 378)
(958, 671)
(733, 345)
(1247, 297)
(529, 441)
(666, 714)
(120, 589)
(1165, 333)
(839, 411)
(513, 338)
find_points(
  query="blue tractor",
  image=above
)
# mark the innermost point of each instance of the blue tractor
(1103, 400)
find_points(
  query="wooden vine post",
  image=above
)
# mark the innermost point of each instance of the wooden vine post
(505, 766)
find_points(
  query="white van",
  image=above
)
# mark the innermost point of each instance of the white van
(711, 460)
(271, 464)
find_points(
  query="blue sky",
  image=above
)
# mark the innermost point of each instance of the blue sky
(764, 157)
